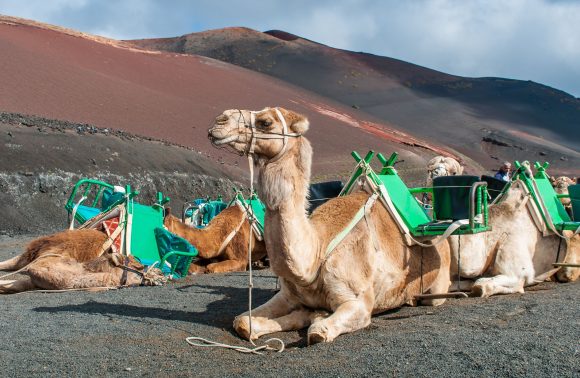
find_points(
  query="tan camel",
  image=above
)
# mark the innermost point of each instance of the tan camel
(73, 259)
(561, 185)
(370, 271)
(211, 243)
(442, 166)
(514, 254)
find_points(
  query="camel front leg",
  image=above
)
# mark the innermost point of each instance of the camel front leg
(227, 266)
(348, 317)
(463, 285)
(295, 320)
(500, 284)
(279, 306)
(16, 286)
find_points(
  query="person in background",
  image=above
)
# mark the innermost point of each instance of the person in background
(504, 171)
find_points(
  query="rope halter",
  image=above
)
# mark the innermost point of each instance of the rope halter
(257, 134)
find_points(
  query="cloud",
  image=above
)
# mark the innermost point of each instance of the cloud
(521, 39)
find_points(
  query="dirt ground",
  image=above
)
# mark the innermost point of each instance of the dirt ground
(141, 332)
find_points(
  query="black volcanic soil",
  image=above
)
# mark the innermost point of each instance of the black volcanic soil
(42, 159)
(141, 331)
(454, 111)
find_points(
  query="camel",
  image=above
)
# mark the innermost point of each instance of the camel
(514, 254)
(561, 185)
(211, 241)
(442, 166)
(74, 259)
(330, 290)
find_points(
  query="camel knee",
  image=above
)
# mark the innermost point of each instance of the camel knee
(567, 274)
(16, 286)
(486, 287)
(227, 266)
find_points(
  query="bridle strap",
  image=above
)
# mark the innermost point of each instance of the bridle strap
(257, 135)
(284, 136)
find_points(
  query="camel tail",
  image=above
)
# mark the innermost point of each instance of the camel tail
(14, 263)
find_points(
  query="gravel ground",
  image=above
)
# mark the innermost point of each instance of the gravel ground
(141, 332)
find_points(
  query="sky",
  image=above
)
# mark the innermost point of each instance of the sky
(536, 40)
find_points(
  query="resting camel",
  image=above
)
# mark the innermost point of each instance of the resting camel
(211, 241)
(370, 271)
(514, 254)
(73, 259)
(442, 166)
(561, 185)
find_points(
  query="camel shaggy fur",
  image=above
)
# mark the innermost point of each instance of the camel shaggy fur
(370, 271)
(442, 166)
(514, 254)
(72, 259)
(207, 240)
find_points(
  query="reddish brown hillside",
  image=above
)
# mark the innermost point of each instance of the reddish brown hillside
(61, 74)
(487, 119)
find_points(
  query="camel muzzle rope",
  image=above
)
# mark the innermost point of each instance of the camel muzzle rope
(251, 144)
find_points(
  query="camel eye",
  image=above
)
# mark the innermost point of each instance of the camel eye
(265, 123)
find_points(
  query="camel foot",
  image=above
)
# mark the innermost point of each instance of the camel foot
(318, 333)
(242, 327)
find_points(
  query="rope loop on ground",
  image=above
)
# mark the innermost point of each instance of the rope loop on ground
(204, 343)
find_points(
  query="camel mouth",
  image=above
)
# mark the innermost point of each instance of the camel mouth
(221, 141)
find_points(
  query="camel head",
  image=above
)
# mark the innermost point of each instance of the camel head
(438, 170)
(135, 271)
(561, 184)
(442, 166)
(170, 221)
(265, 134)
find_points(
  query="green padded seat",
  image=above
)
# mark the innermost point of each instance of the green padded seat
(143, 243)
(451, 197)
(574, 191)
(167, 243)
(411, 211)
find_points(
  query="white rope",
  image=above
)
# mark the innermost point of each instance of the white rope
(27, 266)
(74, 212)
(213, 344)
(205, 343)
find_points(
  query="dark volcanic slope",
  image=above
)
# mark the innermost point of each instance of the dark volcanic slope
(41, 160)
(472, 115)
(62, 74)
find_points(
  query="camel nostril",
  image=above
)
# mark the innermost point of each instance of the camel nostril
(221, 119)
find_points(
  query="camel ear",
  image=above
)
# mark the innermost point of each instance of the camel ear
(116, 259)
(552, 180)
(166, 212)
(296, 122)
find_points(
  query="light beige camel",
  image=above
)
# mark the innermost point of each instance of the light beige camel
(442, 166)
(561, 185)
(370, 271)
(74, 260)
(514, 254)
(212, 244)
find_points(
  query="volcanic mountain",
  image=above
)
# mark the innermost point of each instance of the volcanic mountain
(487, 119)
(75, 105)
(62, 74)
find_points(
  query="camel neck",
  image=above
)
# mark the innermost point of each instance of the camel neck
(290, 238)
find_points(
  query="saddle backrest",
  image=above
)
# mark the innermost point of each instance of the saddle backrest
(322, 192)
(407, 206)
(574, 191)
(494, 186)
(144, 222)
(451, 197)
